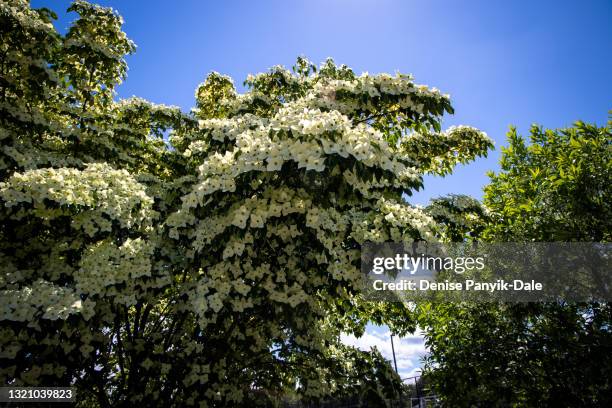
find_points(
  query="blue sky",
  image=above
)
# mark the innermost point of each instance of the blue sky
(503, 62)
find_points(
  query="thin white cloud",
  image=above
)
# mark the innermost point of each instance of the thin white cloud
(408, 350)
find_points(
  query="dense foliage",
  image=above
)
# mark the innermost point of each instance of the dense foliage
(219, 265)
(554, 188)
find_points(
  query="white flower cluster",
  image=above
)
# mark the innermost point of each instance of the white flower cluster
(315, 135)
(347, 96)
(106, 16)
(253, 212)
(460, 210)
(244, 102)
(101, 192)
(26, 17)
(391, 220)
(440, 151)
(105, 264)
(223, 129)
(41, 299)
(454, 133)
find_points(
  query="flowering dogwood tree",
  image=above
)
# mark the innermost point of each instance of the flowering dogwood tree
(219, 265)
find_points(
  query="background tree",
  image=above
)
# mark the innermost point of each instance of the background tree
(554, 188)
(216, 267)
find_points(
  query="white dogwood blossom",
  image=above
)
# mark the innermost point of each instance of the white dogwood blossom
(203, 259)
